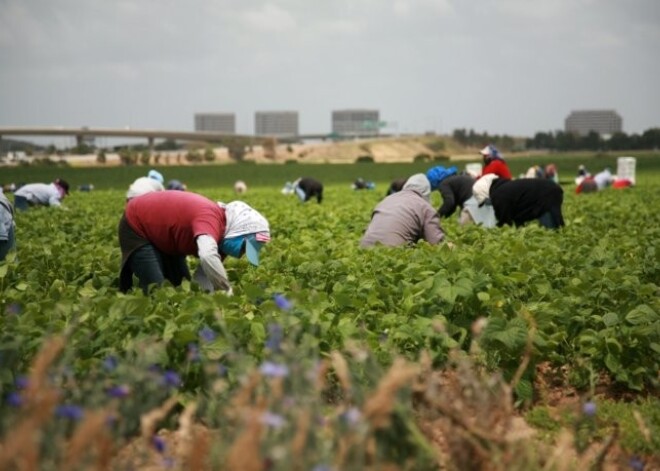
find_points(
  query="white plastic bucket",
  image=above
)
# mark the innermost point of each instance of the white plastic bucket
(625, 168)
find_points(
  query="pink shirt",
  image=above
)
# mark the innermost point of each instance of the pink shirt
(172, 220)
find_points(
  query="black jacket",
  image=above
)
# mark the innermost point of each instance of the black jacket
(311, 188)
(518, 201)
(455, 191)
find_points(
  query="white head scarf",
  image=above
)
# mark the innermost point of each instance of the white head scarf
(242, 219)
(481, 189)
(420, 185)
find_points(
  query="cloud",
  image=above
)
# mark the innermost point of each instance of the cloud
(269, 18)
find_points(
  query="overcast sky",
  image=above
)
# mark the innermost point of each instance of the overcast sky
(502, 66)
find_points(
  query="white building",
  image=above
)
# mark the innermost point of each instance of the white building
(356, 122)
(276, 123)
(216, 122)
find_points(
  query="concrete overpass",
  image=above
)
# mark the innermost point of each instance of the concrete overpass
(153, 134)
(150, 134)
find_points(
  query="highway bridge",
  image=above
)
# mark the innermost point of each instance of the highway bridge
(152, 134)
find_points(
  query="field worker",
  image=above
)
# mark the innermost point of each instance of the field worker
(143, 185)
(455, 189)
(396, 186)
(551, 173)
(307, 188)
(591, 184)
(7, 227)
(405, 217)
(240, 187)
(158, 230)
(176, 185)
(45, 194)
(494, 163)
(518, 201)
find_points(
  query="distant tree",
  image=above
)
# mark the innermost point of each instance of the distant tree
(270, 149)
(145, 157)
(101, 157)
(209, 155)
(167, 144)
(650, 138)
(591, 141)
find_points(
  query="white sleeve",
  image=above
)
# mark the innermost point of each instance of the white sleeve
(211, 265)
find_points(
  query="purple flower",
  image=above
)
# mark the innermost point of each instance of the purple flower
(118, 391)
(22, 382)
(636, 463)
(273, 420)
(222, 369)
(275, 370)
(110, 363)
(193, 352)
(171, 379)
(275, 335)
(13, 309)
(69, 411)
(283, 303)
(589, 409)
(168, 462)
(207, 334)
(351, 416)
(158, 443)
(15, 399)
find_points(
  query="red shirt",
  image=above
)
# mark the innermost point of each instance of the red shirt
(172, 220)
(498, 167)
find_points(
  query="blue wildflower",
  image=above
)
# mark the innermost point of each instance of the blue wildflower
(110, 363)
(323, 467)
(69, 411)
(158, 443)
(207, 334)
(275, 334)
(171, 379)
(222, 369)
(275, 370)
(13, 309)
(273, 420)
(193, 352)
(15, 399)
(351, 416)
(118, 391)
(282, 302)
(589, 409)
(22, 382)
(636, 463)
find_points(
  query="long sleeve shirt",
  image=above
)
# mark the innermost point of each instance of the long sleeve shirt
(213, 275)
(6, 218)
(455, 191)
(403, 218)
(41, 193)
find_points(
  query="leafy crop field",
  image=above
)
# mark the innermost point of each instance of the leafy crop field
(323, 329)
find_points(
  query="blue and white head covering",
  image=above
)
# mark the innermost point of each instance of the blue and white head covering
(439, 173)
(490, 152)
(156, 175)
(245, 225)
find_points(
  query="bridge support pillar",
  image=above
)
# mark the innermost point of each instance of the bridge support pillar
(79, 140)
(151, 146)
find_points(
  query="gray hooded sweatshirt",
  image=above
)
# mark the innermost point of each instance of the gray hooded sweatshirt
(405, 217)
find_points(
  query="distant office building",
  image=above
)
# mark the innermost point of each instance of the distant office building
(355, 122)
(276, 123)
(582, 122)
(216, 122)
